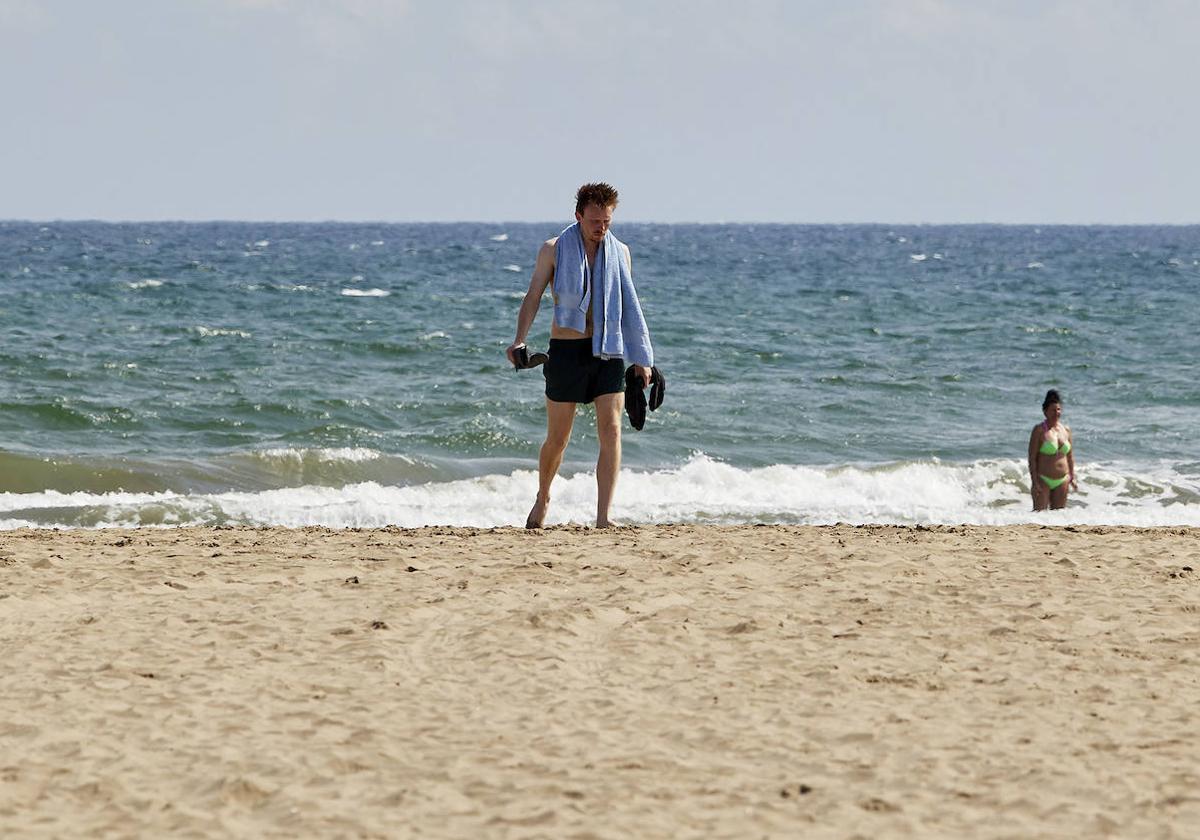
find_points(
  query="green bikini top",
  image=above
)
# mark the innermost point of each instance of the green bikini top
(1048, 447)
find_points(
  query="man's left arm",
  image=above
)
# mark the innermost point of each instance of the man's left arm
(643, 372)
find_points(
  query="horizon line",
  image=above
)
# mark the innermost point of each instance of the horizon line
(697, 223)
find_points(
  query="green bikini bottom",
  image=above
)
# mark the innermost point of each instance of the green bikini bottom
(1053, 483)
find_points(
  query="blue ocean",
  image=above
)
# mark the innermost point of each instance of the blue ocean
(354, 374)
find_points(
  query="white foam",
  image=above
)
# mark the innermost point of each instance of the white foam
(144, 284)
(700, 491)
(326, 455)
(512, 267)
(917, 257)
(365, 292)
(209, 332)
(499, 237)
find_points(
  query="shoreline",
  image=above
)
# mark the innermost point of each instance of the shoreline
(655, 681)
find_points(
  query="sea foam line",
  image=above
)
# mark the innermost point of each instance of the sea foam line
(701, 491)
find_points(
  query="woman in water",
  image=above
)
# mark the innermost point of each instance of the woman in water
(1051, 458)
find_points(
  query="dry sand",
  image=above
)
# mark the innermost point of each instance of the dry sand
(655, 682)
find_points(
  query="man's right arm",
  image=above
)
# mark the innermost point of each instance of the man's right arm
(543, 274)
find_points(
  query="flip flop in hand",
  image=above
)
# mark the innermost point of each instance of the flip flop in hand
(635, 395)
(524, 360)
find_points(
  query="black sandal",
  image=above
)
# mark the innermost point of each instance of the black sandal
(526, 361)
(635, 395)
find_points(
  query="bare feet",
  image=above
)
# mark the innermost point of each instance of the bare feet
(537, 514)
(608, 523)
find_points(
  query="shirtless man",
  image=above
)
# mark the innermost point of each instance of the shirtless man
(576, 372)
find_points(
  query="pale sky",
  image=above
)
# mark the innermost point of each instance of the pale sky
(893, 111)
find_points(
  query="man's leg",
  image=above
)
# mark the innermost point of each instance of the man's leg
(560, 416)
(608, 465)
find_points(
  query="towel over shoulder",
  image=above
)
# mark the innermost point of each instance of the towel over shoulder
(619, 328)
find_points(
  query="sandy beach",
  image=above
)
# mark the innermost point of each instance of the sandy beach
(672, 681)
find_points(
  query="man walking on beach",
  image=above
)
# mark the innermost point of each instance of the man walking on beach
(598, 327)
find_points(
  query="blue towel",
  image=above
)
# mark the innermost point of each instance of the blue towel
(618, 327)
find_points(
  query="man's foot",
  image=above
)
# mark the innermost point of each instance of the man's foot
(537, 514)
(608, 523)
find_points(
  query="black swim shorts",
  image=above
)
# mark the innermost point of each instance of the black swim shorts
(573, 374)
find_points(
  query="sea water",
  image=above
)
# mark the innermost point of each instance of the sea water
(354, 374)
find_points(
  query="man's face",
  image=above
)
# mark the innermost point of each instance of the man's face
(594, 221)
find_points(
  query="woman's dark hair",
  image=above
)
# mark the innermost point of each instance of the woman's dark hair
(1051, 398)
